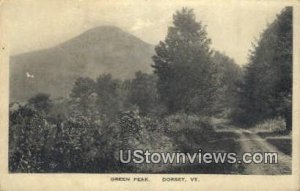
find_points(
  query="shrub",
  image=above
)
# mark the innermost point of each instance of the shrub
(273, 125)
(28, 134)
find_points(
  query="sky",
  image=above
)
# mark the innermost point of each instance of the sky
(232, 26)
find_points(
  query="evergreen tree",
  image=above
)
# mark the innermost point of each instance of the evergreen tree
(81, 92)
(267, 87)
(229, 76)
(108, 99)
(183, 66)
(143, 92)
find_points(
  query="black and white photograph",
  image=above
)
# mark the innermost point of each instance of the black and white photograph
(165, 88)
(177, 89)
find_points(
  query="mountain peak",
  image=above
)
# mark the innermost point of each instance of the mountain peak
(104, 49)
(101, 34)
(105, 27)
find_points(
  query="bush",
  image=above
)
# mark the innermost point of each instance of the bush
(28, 134)
(144, 133)
(272, 125)
(180, 121)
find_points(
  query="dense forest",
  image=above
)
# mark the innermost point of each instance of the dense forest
(266, 89)
(191, 83)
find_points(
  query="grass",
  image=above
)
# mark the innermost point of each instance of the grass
(271, 125)
(282, 144)
(191, 140)
(273, 134)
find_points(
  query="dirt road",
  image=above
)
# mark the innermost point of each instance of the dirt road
(251, 142)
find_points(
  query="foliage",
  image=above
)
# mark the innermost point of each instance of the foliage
(41, 102)
(183, 66)
(108, 100)
(145, 133)
(143, 93)
(28, 134)
(169, 110)
(272, 125)
(182, 121)
(229, 76)
(82, 92)
(267, 88)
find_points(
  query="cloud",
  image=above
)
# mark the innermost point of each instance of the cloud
(141, 24)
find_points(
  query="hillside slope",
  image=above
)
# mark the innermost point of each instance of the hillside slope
(104, 49)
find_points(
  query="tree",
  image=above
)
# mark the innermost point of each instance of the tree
(83, 87)
(143, 92)
(229, 76)
(41, 102)
(82, 92)
(267, 88)
(183, 66)
(108, 100)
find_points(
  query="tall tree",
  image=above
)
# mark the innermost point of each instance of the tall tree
(267, 88)
(183, 66)
(229, 77)
(143, 92)
(81, 92)
(108, 99)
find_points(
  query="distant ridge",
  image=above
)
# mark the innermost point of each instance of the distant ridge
(104, 49)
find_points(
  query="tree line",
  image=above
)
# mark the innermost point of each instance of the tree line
(266, 89)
